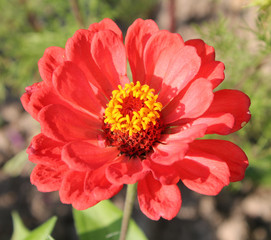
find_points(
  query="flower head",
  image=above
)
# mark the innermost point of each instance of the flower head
(100, 129)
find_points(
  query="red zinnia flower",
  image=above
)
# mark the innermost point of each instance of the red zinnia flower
(100, 131)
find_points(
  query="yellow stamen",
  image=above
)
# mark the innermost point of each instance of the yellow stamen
(137, 120)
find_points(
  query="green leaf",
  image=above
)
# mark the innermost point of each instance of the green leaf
(103, 221)
(19, 230)
(42, 232)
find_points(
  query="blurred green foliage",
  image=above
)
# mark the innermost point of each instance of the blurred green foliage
(28, 27)
(261, 3)
(248, 68)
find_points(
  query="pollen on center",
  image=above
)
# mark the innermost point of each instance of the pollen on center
(132, 108)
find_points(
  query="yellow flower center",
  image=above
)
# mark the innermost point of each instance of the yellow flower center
(132, 108)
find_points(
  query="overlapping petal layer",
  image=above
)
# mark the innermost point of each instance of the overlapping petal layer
(46, 151)
(157, 200)
(125, 170)
(137, 36)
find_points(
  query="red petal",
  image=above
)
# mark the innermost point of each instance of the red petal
(185, 133)
(101, 57)
(165, 174)
(109, 54)
(182, 69)
(78, 51)
(45, 151)
(159, 51)
(38, 96)
(72, 85)
(106, 24)
(135, 41)
(157, 200)
(169, 153)
(190, 103)
(173, 147)
(83, 156)
(206, 52)
(234, 156)
(218, 123)
(63, 124)
(48, 179)
(97, 185)
(234, 102)
(125, 170)
(72, 191)
(210, 69)
(52, 58)
(203, 173)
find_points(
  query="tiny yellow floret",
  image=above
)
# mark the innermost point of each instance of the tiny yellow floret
(133, 121)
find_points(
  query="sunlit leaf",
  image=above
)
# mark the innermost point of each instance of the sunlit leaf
(20, 232)
(43, 232)
(103, 221)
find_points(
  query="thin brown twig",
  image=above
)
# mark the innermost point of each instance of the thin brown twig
(172, 24)
(77, 13)
(31, 17)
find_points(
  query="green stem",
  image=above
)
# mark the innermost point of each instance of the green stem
(128, 207)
